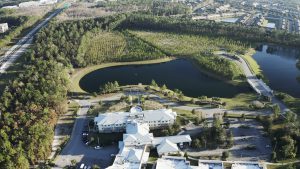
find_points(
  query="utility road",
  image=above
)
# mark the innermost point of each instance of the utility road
(18, 49)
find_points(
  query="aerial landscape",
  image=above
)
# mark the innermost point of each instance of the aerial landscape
(150, 84)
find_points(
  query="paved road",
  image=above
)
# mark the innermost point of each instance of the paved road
(257, 84)
(77, 150)
(15, 52)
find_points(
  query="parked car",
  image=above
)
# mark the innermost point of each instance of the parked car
(81, 166)
(97, 147)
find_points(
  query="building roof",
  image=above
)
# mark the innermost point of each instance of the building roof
(111, 118)
(245, 166)
(166, 146)
(210, 166)
(129, 157)
(161, 114)
(173, 163)
(133, 127)
(173, 139)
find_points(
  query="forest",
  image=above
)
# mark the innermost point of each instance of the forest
(209, 28)
(32, 102)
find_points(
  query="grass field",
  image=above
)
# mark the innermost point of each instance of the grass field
(183, 45)
(240, 101)
(99, 47)
(199, 48)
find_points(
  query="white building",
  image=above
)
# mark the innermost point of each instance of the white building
(3, 27)
(10, 7)
(116, 121)
(29, 4)
(134, 149)
(168, 162)
(48, 2)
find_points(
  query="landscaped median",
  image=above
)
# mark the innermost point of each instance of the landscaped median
(79, 73)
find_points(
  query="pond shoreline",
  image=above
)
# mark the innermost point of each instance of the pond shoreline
(182, 74)
(81, 72)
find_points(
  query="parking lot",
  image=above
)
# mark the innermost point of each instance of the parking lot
(250, 143)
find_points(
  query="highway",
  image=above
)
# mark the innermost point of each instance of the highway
(19, 48)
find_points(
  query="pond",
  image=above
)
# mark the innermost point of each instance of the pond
(279, 67)
(177, 74)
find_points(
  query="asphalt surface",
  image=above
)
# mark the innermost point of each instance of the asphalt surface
(257, 84)
(77, 150)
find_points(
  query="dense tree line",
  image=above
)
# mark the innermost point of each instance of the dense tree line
(30, 106)
(32, 102)
(62, 40)
(17, 24)
(210, 28)
(213, 137)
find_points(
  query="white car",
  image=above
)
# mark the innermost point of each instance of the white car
(81, 166)
(97, 147)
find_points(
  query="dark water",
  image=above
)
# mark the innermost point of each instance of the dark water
(177, 74)
(279, 67)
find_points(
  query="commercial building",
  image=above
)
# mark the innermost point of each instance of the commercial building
(171, 162)
(3, 27)
(29, 4)
(116, 121)
(137, 141)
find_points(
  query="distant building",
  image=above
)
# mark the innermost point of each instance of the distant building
(10, 7)
(29, 4)
(48, 2)
(3, 27)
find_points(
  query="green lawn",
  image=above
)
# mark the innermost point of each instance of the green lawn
(240, 101)
(255, 68)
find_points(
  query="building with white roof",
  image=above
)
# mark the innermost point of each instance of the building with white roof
(247, 165)
(210, 164)
(48, 2)
(29, 4)
(168, 162)
(10, 7)
(3, 27)
(116, 121)
(134, 149)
